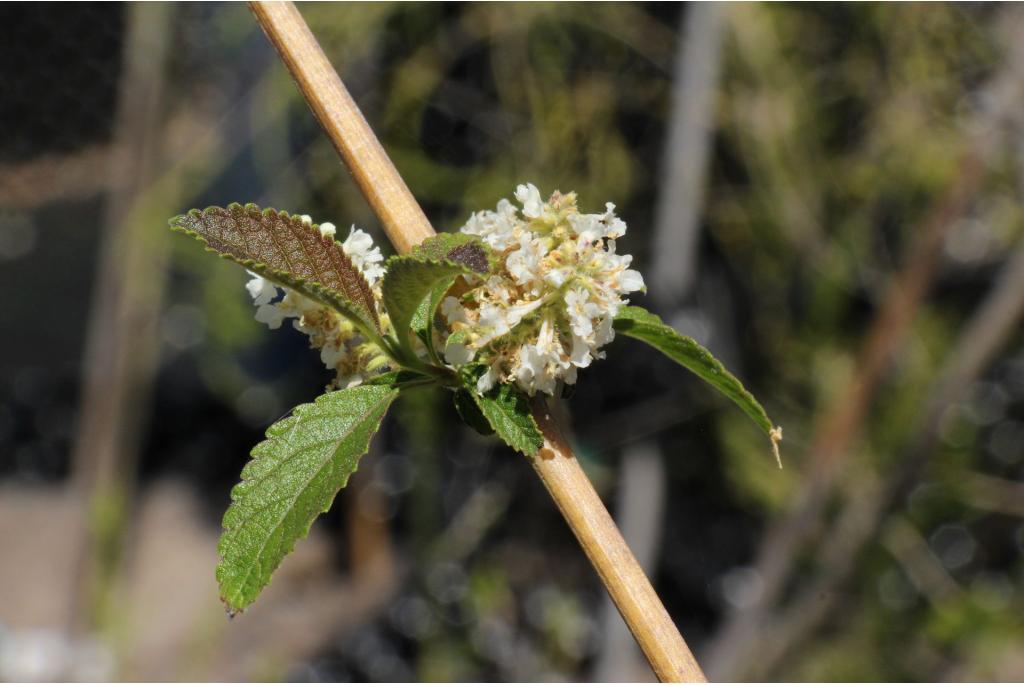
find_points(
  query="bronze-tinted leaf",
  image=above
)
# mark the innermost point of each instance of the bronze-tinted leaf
(285, 250)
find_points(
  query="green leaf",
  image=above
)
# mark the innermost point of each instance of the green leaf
(458, 247)
(461, 337)
(293, 477)
(470, 413)
(407, 284)
(400, 379)
(415, 284)
(507, 410)
(637, 322)
(287, 251)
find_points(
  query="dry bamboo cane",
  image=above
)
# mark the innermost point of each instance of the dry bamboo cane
(407, 226)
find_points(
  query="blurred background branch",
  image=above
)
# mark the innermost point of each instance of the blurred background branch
(121, 346)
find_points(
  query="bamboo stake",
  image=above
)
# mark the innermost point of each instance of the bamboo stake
(406, 226)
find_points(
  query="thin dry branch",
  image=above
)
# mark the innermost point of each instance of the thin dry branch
(922, 567)
(121, 345)
(47, 178)
(406, 226)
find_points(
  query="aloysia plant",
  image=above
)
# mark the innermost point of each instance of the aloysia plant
(514, 304)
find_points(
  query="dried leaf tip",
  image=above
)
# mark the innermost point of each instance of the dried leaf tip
(775, 435)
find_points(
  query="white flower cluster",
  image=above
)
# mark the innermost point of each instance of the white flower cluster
(550, 309)
(342, 348)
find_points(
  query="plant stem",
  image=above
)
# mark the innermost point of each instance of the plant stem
(612, 558)
(406, 226)
(120, 358)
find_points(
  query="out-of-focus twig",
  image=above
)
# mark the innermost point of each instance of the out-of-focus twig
(481, 512)
(639, 512)
(370, 549)
(121, 345)
(989, 493)
(688, 148)
(919, 563)
(29, 184)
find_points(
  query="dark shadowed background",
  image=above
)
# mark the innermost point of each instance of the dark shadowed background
(827, 196)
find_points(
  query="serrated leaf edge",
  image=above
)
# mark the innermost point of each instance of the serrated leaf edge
(477, 397)
(460, 241)
(296, 415)
(404, 329)
(313, 289)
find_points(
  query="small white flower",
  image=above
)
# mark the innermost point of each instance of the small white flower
(630, 281)
(489, 378)
(532, 364)
(529, 198)
(331, 354)
(524, 263)
(587, 226)
(593, 227)
(341, 348)
(616, 226)
(517, 313)
(458, 353)
(260, 289)
(557, 277)
(364, 254)
(604, 333)
(580, 355)
(493, 323)
(550, 309)
(539, 364)
(542, 377)
(359, 244)
(496, 228)
(453, 311)
(581, 312)
(270, 314)
(298, 305)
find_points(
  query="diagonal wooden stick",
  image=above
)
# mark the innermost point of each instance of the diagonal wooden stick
(406, 226)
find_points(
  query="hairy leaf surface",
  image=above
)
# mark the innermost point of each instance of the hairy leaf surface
(293, 477)
(641, 324)
(416, 283)
(470, 412)
(460, 248)
(507, 410)
(287, 251)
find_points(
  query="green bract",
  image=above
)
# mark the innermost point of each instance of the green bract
(415, 284)
(469, 411)
(508, 411)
